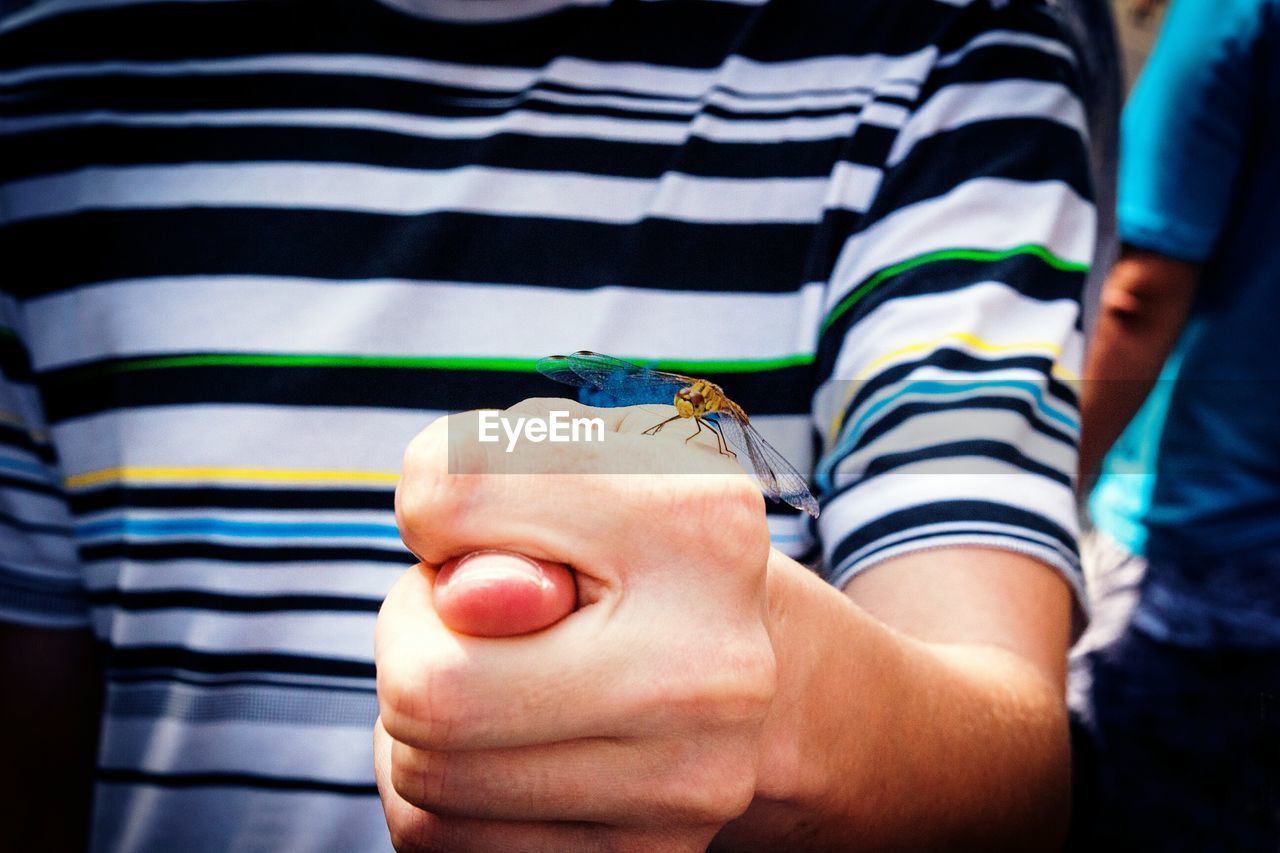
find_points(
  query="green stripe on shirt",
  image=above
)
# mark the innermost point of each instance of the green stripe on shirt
(977, 255)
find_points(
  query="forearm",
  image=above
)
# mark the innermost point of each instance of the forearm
(1123, 363)
(1144, 307)
(882, 741)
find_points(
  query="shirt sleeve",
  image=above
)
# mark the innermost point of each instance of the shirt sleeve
(1185, 128)
(951, 327)
(41, 583)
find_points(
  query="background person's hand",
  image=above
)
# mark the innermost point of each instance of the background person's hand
(633, 722)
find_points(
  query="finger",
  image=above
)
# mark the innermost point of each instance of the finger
(500, 594)
(591, 675)
(458, 494)
(438, 689)
(706, 781)
(413, 829)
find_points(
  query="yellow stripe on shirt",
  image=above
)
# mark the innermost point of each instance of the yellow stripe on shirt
(136, 474)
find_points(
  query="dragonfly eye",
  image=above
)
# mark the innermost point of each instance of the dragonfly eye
(691, 396)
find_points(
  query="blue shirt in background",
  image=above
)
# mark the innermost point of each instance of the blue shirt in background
(1195, 480)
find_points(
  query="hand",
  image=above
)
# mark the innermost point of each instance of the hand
(634, 722)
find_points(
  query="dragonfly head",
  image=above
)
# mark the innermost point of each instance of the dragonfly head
(690, 403)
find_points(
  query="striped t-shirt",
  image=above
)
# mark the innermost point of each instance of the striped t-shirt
(251, 247)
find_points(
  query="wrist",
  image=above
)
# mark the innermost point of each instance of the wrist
(809, 746)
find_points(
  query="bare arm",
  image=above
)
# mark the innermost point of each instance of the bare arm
(1144, 306)
(49, 728)
(703, 694)
(927, 716)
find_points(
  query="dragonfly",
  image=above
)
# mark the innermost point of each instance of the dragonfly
(704, 402)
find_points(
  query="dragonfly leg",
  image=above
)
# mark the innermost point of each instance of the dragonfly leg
(724, 445)
(698, 423)
(657, 428)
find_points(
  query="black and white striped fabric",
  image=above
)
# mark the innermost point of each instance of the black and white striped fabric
(251, 247)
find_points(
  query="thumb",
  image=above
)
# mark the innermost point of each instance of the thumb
(501, 594)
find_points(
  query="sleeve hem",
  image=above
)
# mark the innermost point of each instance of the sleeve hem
(1068, 570)
(1177, 240)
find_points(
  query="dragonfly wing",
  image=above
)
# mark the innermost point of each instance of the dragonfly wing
(777, 477)
(611, 381)
(572, 370)
(619, 383)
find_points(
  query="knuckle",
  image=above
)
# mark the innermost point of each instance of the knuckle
(728, 690)
(740, 692)
(710, 790)
(736, 795)
(726, 504)
(418, 490)
(428, 450)
(399, 699)
(413, 504)
(433, 493)
(752, 670)
(730, 499)
(422, 778)
(732, 509)
(444, 711)
(419, 702)
(742, 500)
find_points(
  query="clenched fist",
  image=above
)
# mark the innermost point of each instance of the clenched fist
(582, 660)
